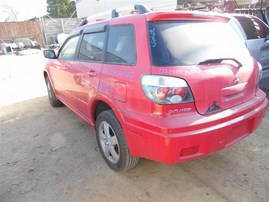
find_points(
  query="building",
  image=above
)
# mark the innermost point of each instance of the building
(96, 10)
(87, 8)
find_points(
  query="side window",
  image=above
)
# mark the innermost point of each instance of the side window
(121, 45)
(91, 48)
(69, 49)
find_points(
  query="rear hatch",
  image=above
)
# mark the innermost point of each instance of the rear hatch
(209, 57)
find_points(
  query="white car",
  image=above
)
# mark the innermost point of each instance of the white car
(255, 33)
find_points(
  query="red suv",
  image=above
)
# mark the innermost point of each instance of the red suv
(166, 86)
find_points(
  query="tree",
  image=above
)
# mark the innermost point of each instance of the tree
(11, 12)
(61, 8)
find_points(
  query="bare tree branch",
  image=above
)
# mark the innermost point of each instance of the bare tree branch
(12, 13)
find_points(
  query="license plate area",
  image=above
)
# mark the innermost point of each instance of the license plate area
(237, 133)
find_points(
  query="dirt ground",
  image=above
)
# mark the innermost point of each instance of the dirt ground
(49, 154)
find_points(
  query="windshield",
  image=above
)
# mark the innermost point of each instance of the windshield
(183, 43)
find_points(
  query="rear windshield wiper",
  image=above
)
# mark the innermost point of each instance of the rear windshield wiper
(220, 60)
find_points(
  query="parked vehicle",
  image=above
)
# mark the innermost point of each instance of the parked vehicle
(7, 47)
(255, 33)
(166, 86)
(27, 43)
(18, 45)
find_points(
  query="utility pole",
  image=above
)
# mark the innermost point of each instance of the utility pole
(97, 6)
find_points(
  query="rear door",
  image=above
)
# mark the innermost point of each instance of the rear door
(119, 77)
(85, 72)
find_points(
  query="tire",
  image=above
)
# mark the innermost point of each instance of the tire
(112, 143)
(54, 102)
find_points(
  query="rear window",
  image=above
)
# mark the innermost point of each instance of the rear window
(121, 45)
(174, 43)
(253, 27)
(248, 27)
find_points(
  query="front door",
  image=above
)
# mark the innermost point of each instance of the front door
(60, 68)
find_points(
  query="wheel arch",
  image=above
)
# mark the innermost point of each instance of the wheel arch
(100, 106)
(102, 103)
(47, 75)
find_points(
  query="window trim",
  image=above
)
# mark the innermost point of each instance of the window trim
(80, 33)
(95, 29)
(118, 63)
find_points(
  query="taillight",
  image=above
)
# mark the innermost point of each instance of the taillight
(166, 90)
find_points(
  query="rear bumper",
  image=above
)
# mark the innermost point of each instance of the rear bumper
(186, 136)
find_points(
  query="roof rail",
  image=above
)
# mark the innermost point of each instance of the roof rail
(114, 13)
(84, 22)
(139, 8)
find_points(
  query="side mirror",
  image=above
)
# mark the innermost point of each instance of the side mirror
(50, 54)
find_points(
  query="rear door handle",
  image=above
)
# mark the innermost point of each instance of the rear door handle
(92, 73)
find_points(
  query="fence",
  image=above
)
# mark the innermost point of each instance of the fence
(28, 29)
(41, 31)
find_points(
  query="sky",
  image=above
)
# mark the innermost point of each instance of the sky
(26, 9)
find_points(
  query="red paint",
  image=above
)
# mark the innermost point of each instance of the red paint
(165, 133)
